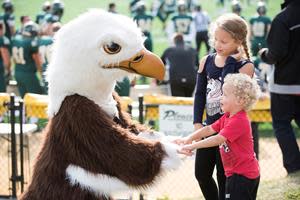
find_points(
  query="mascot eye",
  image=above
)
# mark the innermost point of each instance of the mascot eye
(112, 48)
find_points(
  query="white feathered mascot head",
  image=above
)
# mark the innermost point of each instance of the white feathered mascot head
(92, 52)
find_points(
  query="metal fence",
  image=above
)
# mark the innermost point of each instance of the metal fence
(179, 184)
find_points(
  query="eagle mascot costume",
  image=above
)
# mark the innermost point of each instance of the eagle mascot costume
(92, 149)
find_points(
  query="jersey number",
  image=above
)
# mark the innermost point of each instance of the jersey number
(259, 29)
(18, 55)
(183, 25)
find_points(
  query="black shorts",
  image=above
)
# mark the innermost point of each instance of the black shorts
(239, 187)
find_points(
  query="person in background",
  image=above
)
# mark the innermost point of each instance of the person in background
(229, 35)
(27, 60)
(144, 22)
(57, 9)
(46, 9)
(56, 13)
(283, 51)
(260, 26)
(202, 22)
(182, 62)
(240, 92)
(5, 68)
(8, 18)
(132, 6)
(236, 7)
(45, 45)
(163, 9)
(112, 8)
(182, 22)
(23, 19)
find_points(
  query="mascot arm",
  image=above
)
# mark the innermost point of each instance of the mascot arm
(104, 147)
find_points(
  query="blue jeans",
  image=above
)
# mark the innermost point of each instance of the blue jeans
(284, 109)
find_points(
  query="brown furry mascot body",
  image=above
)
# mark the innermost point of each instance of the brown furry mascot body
(96, 143)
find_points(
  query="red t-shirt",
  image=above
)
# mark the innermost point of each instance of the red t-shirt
(237, 152)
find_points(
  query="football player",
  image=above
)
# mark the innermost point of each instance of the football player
(8, 18)
(45, 44)
(57, 9)
(144, 22)
(236, 7)
(183, 23)
(163, 9)
(4, 59)
(46, 9)
(259, 28)
(27, 60)
(23, 19)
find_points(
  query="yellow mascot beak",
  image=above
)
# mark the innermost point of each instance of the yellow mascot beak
(145, 63)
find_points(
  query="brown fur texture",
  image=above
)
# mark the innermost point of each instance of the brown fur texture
(82, 134)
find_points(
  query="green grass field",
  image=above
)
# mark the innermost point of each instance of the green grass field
(75, 7)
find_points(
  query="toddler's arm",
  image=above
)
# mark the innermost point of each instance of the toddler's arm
(208, 142)
(202, 133)
(196, 135)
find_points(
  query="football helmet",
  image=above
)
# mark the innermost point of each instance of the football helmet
(261, 8)
(181, 6)
(236, 6)
(57, 8)
(140, 7)
(46, 6)
(7, 6)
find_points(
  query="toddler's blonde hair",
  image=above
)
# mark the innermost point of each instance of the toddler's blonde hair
(236, 26)
(245, 88)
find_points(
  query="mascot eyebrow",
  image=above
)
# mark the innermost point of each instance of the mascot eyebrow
(87, 153)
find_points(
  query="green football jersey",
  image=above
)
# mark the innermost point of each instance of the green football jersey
(9, 20)
(182, 23)
(3, 23)
(45, 43)
(144, 22)
(4, 43)
(22, 50)
(40, 18)
(259, 27)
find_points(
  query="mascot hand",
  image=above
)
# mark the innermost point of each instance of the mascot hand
(173, 159)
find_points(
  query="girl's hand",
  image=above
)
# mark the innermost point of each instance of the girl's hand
(183, 141)
(180, 141)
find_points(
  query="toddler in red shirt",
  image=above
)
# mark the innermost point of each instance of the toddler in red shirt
(240, 92)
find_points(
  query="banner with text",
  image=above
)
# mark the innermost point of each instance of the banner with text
(176, 120)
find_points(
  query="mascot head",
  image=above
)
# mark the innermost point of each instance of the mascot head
(92, 52)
